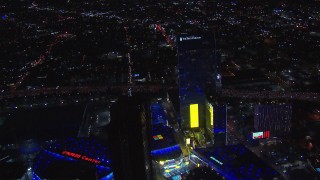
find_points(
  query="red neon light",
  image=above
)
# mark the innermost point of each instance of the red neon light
(266, 134)
(79, 156)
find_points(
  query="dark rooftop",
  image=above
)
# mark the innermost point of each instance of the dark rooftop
(236, 162)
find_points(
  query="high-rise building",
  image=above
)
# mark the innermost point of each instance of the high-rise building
(129, 139)
(209, 122)
(273, 118)
(199, 77)
(216, 123)
(220, 124)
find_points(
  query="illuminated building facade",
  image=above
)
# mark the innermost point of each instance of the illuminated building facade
(273, 118)
(164, 146)
(261, 135)
(199, 77)
(194, 115)
(157, 114)
(165, 152)
(209, 122)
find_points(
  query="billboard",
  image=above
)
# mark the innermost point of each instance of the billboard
(261, 135)
(158, 137)
(194, 116)
(211, 114)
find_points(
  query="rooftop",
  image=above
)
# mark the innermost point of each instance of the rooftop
(236, 162)
(164, 145)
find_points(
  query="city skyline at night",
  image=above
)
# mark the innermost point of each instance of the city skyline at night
(219, 89)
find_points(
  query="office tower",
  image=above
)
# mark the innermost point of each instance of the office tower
(209, 122)
(199, 77)
(273, 118)
(129, 140)
(220, 124)
(216, 123)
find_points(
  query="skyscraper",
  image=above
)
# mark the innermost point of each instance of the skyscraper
(220, 125)
(273, 118)
(129, 140)
(199, 77)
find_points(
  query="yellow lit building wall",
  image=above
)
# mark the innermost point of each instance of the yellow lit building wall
(194, 116)
(211, 114)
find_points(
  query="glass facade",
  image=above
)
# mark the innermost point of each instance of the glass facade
(198, 72)
(220, 125)
(273, 118)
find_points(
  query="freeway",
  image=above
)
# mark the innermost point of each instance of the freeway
(162, 88)
(272, 95)
(117, 89)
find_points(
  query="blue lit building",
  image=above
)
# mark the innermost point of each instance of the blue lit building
(234, 162)
(164, 145)
(199, 76)
(73, 158)
(165, 152)
(157, 114)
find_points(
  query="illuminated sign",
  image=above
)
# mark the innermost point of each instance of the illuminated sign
(189, 38)
(80, 156)
(257, 135)
(261, 135)
(194, 116)
(266, 134)
(187, 141)
(211, 114)
(216, 160)
(158, 137)
(177, 177)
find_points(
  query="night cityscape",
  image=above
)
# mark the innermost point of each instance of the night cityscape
(160, 90)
